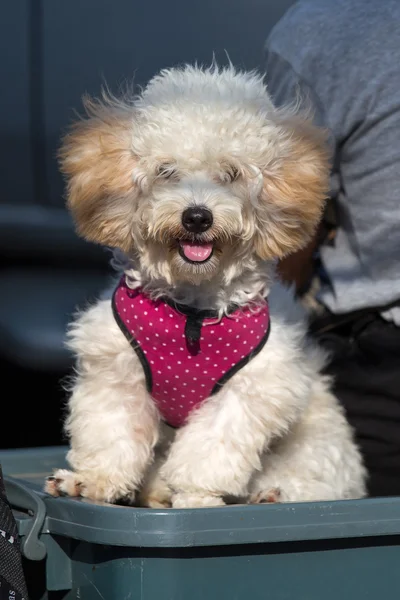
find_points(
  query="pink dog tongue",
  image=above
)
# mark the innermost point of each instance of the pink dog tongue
(196, 252)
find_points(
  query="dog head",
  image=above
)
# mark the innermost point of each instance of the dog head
(197, 177)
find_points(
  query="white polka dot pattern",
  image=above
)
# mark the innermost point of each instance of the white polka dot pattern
(221, 347)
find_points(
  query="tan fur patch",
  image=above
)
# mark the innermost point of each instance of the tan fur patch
(293, 197)
(97, 160)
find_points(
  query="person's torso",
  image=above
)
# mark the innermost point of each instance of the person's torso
(343, 55)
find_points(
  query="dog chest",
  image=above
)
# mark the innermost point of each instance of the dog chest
(187, 355)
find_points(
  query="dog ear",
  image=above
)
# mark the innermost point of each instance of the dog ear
(294, 189)
(97, 161)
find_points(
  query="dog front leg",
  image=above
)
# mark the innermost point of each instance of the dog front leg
(113, 428)
(217, 452)
(112, 423)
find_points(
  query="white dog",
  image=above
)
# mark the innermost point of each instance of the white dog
(203, 185)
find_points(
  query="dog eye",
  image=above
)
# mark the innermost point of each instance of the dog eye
(166, 171)
(231, 174)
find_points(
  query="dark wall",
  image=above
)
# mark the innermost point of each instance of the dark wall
(52, 51)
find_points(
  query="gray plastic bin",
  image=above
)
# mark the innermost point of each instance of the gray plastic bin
(324, 551)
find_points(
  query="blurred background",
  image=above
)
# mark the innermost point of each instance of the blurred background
(52, 52)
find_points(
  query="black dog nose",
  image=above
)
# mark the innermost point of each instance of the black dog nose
(197, 219)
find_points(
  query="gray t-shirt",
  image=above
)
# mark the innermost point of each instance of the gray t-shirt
(343, 56)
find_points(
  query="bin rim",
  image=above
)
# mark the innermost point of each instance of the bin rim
(220, 526)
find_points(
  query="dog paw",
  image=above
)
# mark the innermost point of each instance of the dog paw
(156, 497)
(271, 496)
(63, 483)
(92, 486)
(182, 500)
(156, 502)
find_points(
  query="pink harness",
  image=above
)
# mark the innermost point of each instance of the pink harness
(187, 355)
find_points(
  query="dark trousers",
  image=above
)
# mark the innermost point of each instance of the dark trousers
(365, 364)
